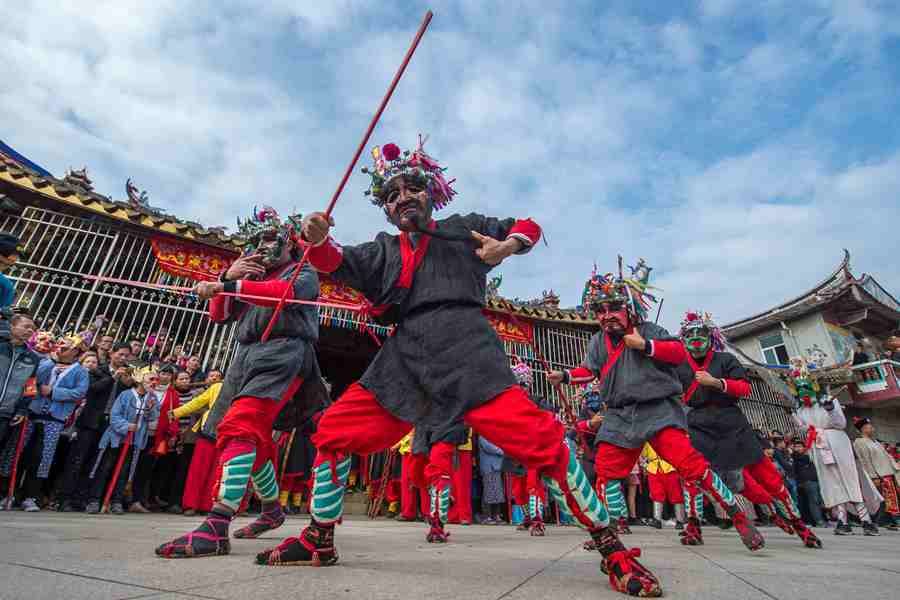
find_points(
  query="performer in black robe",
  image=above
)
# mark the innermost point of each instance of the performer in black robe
(713, 381)
(444, 364)
(635, 362)
(267, 381)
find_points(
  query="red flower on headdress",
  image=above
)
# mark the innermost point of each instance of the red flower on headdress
(390, 151)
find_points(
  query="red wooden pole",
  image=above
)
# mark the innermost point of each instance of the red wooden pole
(20, 445)
(123, 452)
(362, 145)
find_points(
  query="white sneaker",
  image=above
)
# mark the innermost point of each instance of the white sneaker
(30, 505)
(3, 502)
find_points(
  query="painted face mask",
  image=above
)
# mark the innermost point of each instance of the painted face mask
(696, 340)
(267, 234)
(805, 390)
(613, 317)
(700, 334)
(270, 247)
(619, 302)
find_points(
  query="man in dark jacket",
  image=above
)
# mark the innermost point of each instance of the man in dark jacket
(807, 484)
(18, 366)
(106, 383)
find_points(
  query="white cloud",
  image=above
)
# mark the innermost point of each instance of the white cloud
(678, 38)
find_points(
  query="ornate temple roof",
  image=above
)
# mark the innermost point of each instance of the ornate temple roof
(75, 190)
(541, 312)
(848, 298)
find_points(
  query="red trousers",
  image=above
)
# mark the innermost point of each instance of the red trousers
(356, 423)
(249, 419)
(294, 482)
(202, 475)
(665, 487)
(408, 489)
(461, 509)
(671, 444)
(523, 486)
(392, 493)
(763, 483)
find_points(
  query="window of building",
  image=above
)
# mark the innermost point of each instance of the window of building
(773, 349)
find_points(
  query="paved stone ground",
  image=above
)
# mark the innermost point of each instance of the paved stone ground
(73, 556)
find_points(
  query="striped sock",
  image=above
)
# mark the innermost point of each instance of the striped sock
(265, 484)
(713, 486)
(440, 499)
(581, 492)
(235, 476)
(327, 505)
(615, 499)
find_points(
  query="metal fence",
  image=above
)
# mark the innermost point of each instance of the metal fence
(59, 283)
(767, 410)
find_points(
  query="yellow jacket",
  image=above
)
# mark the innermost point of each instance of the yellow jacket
(654, 463)
(205, 400)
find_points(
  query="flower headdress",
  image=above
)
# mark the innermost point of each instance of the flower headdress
(522, 373)
(70, 339)
(694, 319)
(631, 291)
(42, 342)
(141, 375)
(267, 219)
(389, 162)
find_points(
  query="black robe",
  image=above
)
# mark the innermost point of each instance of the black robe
(267, 369)
(642, 394)
(718, 427)
(444, 358)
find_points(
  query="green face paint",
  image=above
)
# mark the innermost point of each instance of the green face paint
(697, 341)
(805, 389)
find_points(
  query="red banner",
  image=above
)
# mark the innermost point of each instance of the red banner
(184, 259)
(514, 330)
(335, 291)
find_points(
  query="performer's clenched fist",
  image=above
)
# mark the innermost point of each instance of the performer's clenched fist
(316, 226)
(635, 341)
(704, 378)
(207, 289)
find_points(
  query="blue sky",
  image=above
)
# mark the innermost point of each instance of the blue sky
(736, 146)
